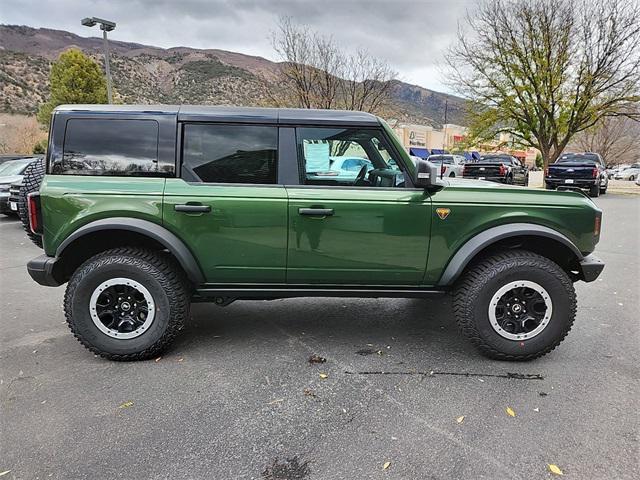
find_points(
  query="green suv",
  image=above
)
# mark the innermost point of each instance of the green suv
(144, 210)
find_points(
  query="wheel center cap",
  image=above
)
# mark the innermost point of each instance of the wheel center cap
(125, 306)
(516, 308)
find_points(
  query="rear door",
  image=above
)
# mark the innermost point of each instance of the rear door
(368, 230)
(228, 205)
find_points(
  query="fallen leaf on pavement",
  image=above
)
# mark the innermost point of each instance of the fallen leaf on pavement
(157, 359)
(309, 393)
(536, 409)
(278, 400)
(323, 376)
(181, 359)
(386, 465)
(543, 394)
(555, 469)
(510, 412)
(460, 419)
(316, 359)
(126, 404)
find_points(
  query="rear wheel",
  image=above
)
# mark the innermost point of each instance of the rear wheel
(594, 191)
(31, 180)
(515, 306)
(632, 177)
(127, 303)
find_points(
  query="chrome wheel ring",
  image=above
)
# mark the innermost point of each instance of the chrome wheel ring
(520, 310)
(122, 308)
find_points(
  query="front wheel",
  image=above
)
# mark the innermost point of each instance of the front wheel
(127, 303)
(515, 306)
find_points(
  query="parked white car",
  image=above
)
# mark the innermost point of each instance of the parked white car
(629, 173)
(450, 165)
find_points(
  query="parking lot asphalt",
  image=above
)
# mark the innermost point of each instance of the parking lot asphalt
(237, 398)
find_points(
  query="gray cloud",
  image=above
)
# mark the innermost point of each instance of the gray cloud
(411, 35)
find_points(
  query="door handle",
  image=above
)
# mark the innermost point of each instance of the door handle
(316, 212)
(192, 208)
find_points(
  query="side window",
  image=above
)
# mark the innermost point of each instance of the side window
(347, 157)
(109, 147)
(231, 153)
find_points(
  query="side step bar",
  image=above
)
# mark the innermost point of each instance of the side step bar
(262, 292)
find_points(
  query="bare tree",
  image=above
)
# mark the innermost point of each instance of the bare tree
(317, 73)
(616, 138)
(545, 70)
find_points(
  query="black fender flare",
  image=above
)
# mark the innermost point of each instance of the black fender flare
(475, 244)
(152, 230)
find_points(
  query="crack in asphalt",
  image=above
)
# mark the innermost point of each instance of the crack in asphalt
(517, 376)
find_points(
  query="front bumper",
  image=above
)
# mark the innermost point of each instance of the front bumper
(591, 267)
(42, 270)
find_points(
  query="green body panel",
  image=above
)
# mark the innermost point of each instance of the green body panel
(476, 206)
(244, 237)
(255, 234)
(70, 201)
(375, 236)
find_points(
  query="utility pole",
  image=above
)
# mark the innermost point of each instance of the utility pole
(444, 135)
(105, 26)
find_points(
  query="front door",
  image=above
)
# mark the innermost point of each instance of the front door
(357, 226)
(228, 207)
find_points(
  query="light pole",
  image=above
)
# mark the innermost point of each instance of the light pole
(105, 26)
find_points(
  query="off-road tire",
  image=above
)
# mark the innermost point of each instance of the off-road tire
(158, 272)
(594, 192)
(31, 180)
(473, 293)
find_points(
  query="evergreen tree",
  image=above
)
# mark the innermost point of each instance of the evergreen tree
(74, 78)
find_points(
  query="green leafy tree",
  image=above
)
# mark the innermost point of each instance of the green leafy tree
(74, 78)
(544, 70)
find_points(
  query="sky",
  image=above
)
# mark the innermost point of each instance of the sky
(411, 35)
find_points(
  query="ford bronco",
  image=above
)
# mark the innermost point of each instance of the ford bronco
(145, 209)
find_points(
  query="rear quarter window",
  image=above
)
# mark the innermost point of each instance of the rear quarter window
(118, 147)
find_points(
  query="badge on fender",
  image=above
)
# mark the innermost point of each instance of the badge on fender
(443, 212)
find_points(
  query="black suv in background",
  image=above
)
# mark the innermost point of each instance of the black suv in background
(573, 171)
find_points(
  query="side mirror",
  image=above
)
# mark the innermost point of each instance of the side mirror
(426, 174)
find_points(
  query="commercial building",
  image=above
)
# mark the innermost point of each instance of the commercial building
(424, 140)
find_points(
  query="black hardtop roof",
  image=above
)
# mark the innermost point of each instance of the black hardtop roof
(205, 113)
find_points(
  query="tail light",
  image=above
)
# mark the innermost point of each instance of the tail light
(546, 172)
(596, 225)
(442, 169)
(594, 173)
(33, 208)
(503, 170)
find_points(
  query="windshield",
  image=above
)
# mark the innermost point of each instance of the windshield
(14, 167)
(578, 157)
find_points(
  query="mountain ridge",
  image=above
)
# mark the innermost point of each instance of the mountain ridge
(150, 74)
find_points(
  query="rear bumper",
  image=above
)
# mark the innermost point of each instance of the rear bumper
(488, 179)
(591, 267)
(41, 269)
(577, 182)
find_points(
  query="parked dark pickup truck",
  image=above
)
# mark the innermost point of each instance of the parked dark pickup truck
(498, 168)
(585, 171)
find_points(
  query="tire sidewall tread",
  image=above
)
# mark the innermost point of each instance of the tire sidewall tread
(158, 272)
(475, 289)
